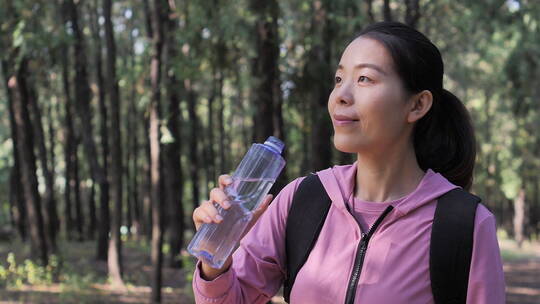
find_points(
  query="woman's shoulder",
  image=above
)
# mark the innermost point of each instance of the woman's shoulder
(483, 213)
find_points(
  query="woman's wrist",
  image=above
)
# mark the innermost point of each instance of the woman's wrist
(209, 274)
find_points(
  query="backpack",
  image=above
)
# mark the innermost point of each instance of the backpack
(450, 247)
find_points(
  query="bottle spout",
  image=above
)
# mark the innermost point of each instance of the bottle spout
(275, 144)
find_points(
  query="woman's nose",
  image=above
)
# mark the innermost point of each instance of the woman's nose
(343, 95)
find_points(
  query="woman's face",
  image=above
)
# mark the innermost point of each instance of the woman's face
(368, 105)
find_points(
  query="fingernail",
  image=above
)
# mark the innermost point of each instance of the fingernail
(207, 219)
(226, 204)
(218, 218)
(228, 180)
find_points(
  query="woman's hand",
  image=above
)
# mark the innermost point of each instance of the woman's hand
(208, 213)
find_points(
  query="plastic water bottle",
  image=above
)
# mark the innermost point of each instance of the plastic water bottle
(252, 180)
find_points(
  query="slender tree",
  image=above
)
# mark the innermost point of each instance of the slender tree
(115, 248)
(16, 196)
(265, 67)
(147, 188)
(412, 12)
(319, 71)
(193, 142)
(133, 141)
(70, 147)
(102, 110)
(174, 184)
(50, 216)
(25, 149)
(75, 184)
(387, 11)
(158, 34)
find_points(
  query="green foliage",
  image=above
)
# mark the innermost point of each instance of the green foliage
(188, 263)
(29, 272)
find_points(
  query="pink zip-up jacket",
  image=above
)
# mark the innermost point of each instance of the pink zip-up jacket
(396, 265)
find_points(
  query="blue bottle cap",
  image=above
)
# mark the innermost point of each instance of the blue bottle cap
(275, 144)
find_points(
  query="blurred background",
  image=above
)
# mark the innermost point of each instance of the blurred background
(117, 117)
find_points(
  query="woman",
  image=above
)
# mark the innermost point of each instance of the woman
(414, 143)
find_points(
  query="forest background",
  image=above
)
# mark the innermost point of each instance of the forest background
(117, 117)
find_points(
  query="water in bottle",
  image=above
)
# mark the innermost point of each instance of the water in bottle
(252, 180)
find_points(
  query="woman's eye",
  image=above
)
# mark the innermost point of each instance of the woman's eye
(337, 79)
(363, 79)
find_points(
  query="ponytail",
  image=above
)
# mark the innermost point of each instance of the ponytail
(444, 140)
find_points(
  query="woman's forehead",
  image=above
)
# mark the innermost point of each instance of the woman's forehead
(364, 51)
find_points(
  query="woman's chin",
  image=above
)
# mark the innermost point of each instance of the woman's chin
(344, 145)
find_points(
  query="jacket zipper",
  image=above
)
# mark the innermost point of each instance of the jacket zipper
(359, 259)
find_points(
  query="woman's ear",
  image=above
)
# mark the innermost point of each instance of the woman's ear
(420, 105)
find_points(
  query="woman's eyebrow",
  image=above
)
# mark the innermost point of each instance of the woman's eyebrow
(366, 65)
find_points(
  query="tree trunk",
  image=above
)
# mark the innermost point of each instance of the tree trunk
(148, 19)
(16, 195)
(17, 208)
(104, 212)
(115, 249)
(100, 225)
(159, 32)
(387, 11)
(220, 62)
(92, 226)
(519, 216)
(84, 113)
(221, 116)
(193, 143)
(76, 186)
(147, 195)
(172, 166)
(371, 17)
(133, 214)
(243, 117)
(321, 131)
(305, 166)
(265, 67)
(134, 176)
(534, 216)
(25, 149)
(210, 155)
(129, 174)
(412, 12)
(70, 147)
(50, 216)
(52, 140)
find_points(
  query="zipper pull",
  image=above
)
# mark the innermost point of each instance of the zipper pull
(363, 235)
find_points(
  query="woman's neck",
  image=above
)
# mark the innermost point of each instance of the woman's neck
(387, 176)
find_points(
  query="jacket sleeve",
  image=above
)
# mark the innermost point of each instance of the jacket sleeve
(258, 267)
(486, 279)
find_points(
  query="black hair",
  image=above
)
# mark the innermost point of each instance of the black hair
(444, 138)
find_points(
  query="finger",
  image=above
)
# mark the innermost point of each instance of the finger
(218, 195)
(201, 216)
(224, 180)
(211, 211)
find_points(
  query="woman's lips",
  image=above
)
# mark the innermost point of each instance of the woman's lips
(342, 120)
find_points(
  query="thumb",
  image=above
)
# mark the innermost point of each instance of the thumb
(257, 213)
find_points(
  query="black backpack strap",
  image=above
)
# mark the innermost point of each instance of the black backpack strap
(451, 246)
(306, 217)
